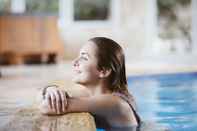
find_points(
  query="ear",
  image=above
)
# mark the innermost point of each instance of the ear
(104, 73)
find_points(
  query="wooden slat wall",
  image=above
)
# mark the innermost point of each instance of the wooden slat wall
(26, 35)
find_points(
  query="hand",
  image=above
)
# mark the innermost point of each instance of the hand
(57, 99)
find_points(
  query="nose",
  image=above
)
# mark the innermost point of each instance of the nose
(75, 62)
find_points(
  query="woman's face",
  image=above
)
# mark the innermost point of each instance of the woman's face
(85, 65)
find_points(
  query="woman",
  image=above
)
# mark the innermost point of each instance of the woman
(100, 68)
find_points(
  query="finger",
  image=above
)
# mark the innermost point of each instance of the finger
(53, 102)
(48, 97)
(67, 97)
(58, 101)
(64, 101)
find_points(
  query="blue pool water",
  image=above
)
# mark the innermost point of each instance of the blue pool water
(169, 100)
(100, 130)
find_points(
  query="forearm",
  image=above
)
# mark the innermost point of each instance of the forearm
(100, 105)
(75, 104)
(95, 105)
(78, 104)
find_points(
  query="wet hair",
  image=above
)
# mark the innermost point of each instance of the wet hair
(110, 55)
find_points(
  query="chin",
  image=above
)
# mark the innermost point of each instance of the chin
(81, 83)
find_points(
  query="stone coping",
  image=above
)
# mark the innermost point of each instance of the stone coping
(159, 69)
(30, 119)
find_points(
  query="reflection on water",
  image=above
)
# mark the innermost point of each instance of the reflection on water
(170, 100)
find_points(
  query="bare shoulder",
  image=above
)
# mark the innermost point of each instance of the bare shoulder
(124, 110)
(121, 104)
(106, 100)
(113, 102)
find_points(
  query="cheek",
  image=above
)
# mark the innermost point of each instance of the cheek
(91, 71)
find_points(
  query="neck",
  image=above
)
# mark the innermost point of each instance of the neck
(99, 89)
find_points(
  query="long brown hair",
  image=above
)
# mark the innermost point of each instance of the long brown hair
(111, 56)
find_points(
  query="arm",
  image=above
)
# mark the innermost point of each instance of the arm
(104, 105)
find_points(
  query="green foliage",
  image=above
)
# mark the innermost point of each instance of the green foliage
(33, 6)
(91, 9)
(42, 6)
(175, 25)
(4, 5)
(165, 6)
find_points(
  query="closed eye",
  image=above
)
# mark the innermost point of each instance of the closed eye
(84, 55)
(84, 58)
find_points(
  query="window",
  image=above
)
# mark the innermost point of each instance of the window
(91, 10)
(4, 6)
(174, 18)
(89, 13)
(42, 6)
(29, 6)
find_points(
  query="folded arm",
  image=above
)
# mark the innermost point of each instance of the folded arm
(104, 105)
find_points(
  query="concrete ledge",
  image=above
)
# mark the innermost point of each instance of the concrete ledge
(135, 69)
(29, 119)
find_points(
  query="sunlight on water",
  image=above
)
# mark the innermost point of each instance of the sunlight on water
(169, 99)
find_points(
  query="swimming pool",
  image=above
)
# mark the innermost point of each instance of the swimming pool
(167, 99)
